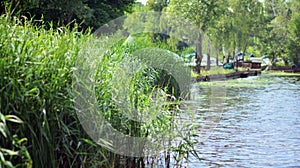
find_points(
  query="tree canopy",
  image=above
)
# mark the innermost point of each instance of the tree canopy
(89, 13)
(266, 27)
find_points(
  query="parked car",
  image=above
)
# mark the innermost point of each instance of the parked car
(256, 59)
(229, 65)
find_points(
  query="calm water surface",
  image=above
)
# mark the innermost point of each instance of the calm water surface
(254, 122)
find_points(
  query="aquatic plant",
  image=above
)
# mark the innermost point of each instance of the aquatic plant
(36, 81)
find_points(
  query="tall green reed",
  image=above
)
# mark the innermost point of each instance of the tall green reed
(36, 73)
(36, 79)
(144, 84)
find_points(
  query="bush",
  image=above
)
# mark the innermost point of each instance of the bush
(280, 63)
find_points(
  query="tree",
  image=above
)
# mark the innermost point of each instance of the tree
(294, 33)
(105, 11)
(273, 31)
(243, 23)
(157, 5)
(202, 13)
(221, 31)
(90, 13)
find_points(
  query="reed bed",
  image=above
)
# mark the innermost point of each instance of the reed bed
(36, 80)
(38, 122)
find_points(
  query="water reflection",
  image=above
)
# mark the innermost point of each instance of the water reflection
(259, 126)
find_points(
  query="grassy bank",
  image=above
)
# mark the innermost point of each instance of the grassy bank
(216, 71)
(281, 73)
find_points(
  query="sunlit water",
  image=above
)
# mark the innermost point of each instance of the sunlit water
(258, 127)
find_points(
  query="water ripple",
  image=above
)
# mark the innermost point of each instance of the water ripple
(260, 126)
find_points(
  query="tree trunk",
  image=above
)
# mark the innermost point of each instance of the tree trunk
(234, 48)
(273, 8)
(245, 48)
(224, 54)
(273, 58)
(236, 57)
(199, 54)
(208, 55)
(217, 56)
(236, 51)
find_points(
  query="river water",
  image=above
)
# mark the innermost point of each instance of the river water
(252, 122)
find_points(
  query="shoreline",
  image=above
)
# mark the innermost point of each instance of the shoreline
(241, 74)
(221, 77)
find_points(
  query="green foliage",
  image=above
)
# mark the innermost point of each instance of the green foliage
(157, 5)
(247, 59)
(294, 34)
(188, 50)
(18, 150)
(280, 63)
(202, 13)
(217, 70)
(271, 36)
(254, 50)
(148, 29)
(90, 13)
(36, 80)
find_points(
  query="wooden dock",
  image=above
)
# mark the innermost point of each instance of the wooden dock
(235, 75)
(289, 69)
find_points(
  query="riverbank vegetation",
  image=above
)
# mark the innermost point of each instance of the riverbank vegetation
(39, 126)
(218, 71)
(264, 28)
(40, 42)
(280, 73)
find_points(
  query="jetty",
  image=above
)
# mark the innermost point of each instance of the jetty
(234, 75)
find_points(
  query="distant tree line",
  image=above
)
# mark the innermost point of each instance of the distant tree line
(270, 28)
(88, 13)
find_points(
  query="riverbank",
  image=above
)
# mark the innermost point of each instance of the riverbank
(232, 75)
(288, 69)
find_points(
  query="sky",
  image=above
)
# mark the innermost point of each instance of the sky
(142, 1)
